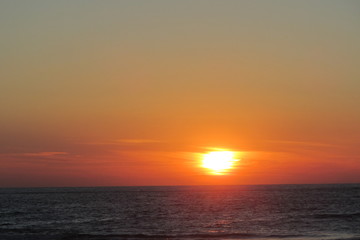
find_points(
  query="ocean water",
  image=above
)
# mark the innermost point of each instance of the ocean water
(181, 212)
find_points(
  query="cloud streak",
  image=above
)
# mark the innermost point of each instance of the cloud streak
(42, 154)
(36, 154)
(123, 142)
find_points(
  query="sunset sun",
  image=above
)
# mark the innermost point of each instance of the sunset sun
(219, 161)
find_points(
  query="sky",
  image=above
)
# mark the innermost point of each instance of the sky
(135, 92)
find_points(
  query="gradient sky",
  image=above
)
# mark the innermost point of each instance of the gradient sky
(96, 93)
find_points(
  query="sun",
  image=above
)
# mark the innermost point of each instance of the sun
(219, 162)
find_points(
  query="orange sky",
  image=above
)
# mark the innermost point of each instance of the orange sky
(96, 93)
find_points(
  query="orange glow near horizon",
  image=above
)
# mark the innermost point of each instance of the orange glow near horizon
(219, 162)
(154, 93)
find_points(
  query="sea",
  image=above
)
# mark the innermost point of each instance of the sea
(268, 212)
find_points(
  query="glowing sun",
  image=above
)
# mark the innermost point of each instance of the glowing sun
(219, 161)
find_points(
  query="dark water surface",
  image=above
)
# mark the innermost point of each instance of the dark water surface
(185, 212)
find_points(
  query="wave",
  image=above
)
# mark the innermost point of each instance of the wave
(56, 234)
(200, 236)
(177, 236)
(337, 215)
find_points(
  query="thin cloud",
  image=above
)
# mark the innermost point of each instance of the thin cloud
(36, 154)
(137, 141)
(43, 154)
(304, 143)
(123, 141)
